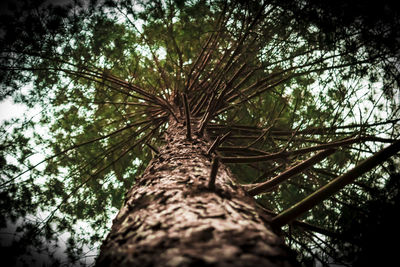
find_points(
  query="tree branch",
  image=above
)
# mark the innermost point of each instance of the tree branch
(187, 116)
(335, 185)
(213, 173)
(284, 154)
(268, 185)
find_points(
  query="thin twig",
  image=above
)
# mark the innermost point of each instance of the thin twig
(153, 148)
(187, 116)
(214, 145)
(213, 174)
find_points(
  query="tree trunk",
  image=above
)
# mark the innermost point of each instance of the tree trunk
(172, 218)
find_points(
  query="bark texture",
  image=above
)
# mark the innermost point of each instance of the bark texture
(172, 218)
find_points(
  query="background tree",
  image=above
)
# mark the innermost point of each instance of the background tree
(288, 101)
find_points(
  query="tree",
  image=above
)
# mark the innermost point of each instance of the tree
(220, 114)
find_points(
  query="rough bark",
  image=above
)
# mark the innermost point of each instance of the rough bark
(172, 218)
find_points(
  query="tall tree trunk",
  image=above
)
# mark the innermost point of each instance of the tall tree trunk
(172, 218)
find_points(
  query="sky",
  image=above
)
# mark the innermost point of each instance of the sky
(8, 110)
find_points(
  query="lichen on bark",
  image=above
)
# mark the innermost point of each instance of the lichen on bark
(172, 218)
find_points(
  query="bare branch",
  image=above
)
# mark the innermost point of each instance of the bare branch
(187, 116)
(285, 154)
(213, 173)
(268, 185)
(153, 148)
(79, 145)
(335, 185)
(214, 145)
